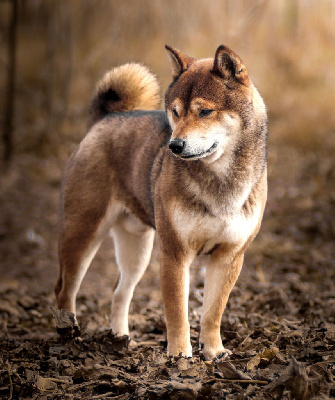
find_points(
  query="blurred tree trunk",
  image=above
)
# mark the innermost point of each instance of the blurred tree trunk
(10, 92)
(51, 59)
(68, 50)
(59, 74)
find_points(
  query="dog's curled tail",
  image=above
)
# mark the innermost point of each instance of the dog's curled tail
(128, 87)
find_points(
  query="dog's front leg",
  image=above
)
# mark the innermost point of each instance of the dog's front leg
(221, 275)
(175, 291)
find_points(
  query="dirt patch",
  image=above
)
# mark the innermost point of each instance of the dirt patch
(279, 322)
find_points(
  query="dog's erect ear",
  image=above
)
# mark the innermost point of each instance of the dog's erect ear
(179, 61)
(229, 65)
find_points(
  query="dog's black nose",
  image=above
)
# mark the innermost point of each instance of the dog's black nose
(177, 146)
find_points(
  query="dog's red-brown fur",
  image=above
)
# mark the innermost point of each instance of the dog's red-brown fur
(195, 173)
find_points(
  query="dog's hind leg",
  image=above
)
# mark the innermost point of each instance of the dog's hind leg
(81, 234)
(75, 256)
(221, 275)
(133, 246)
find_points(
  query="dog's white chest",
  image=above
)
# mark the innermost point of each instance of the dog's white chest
(233, 228)
(240, 226)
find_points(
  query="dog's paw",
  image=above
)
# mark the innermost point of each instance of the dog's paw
(224, 355)
(66, 323)
(177, 352)
(218, 353)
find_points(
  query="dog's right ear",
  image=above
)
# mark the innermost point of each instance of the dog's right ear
(179, 61)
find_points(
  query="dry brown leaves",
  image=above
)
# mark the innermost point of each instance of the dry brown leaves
(273, 356)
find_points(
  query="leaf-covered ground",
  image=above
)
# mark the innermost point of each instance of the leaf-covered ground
(279, 323)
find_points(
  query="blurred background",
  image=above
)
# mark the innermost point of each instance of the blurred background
(63, 47)
(53, 52)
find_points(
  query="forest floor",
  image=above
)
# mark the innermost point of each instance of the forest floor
(279, 322)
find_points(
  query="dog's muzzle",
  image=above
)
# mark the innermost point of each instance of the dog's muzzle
(177, 145)
(182, 148)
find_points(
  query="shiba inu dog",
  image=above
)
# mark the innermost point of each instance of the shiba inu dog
(195, 173)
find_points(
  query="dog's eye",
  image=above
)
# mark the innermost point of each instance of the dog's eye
(175, 113)
(204, 112)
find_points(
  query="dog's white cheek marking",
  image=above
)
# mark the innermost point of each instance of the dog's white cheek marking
(225, 133)
(214, 156)
(199, 141)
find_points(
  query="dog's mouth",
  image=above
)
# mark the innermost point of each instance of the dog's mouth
(203, 154)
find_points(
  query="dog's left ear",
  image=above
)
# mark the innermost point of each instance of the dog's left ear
(228, 64)
(179, 61)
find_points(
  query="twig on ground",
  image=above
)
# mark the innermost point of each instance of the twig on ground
(255, 381)
(59, 380)
(100, 396)
(84, 384)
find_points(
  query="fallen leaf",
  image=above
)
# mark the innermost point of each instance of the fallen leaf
(294, 377)
(45, 384)
(230, 372)
(266, 356)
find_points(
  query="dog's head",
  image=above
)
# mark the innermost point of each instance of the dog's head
(209, 104)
